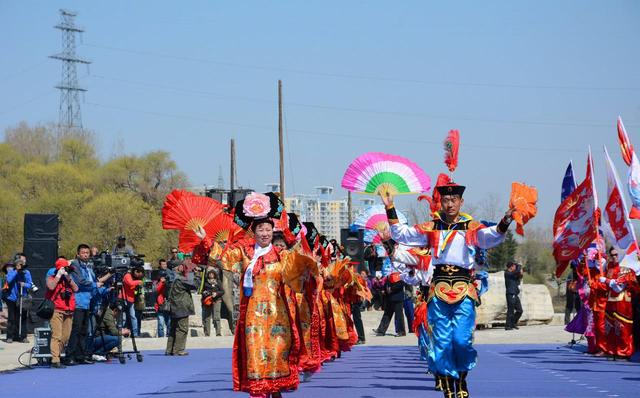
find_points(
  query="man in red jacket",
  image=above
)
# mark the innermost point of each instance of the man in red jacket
(130, 283)
(61, 290)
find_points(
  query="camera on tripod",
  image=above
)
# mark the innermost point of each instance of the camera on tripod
(118, 265)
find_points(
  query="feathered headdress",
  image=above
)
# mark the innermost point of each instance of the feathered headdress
(451, 146)
(434, 199)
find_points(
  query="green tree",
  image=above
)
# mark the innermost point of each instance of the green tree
(500, 255)
(43, 170)
(11, 221)
(113, 213)
(35, 144)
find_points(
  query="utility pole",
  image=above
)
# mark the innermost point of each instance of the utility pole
(280, 140)
(220, 178)
(349, 218)
(70, 117)
(232, 179)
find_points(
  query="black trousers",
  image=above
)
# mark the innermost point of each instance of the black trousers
(391, 308)
(572, 305)
(514, 310)
(77, 347)
(357, 320)
(13, 320)
(635, 300)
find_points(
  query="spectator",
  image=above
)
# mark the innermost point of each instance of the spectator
(105, 337)
(212, 302)
(394, 292)
(18, 283)
(366, 304)
(573, 302)
(163, 316)
(84, 277)
(61, 290)
(410, 281)
(94, 252)
(131, 289)
(174, 259)
(181, 306)
(512, 277)
(121, 248)
(377, 289)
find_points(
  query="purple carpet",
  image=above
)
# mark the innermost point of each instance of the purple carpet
(368, 371)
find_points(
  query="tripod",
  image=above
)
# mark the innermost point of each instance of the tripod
(121, 307)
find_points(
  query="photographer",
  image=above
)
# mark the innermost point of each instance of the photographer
(105, 337)
(132, 288)
(181, 306)
(512, 276)
(61, 290)
(18, 284)
(160, 287)
(212, 301)
(82, 273)
(122, 249)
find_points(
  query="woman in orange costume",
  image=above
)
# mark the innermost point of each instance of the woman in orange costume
(266, 345)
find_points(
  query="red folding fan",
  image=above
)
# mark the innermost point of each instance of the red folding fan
(187, 212)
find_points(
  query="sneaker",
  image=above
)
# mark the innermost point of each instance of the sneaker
(9, 341)
(57, 365)
(359, 342)
(182, 353)
(377, 333)
(98, 358)
(515, 327)
(402, 334)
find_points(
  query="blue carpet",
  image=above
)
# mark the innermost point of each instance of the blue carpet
(368, 371)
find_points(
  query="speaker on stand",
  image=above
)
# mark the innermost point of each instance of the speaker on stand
(40, 246)
(352, 240)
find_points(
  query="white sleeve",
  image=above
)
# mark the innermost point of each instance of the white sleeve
(409, 280)
(401, 254)
(406, 235)
(490, 237)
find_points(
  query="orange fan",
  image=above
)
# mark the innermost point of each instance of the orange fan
(523, 202)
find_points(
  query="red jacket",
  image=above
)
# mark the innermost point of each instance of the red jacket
(60, 304)
(129, 286)
(160, 296)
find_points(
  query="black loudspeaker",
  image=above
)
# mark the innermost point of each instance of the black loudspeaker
(41, 256)
(353, 243)
(41, 227)
(40, 248)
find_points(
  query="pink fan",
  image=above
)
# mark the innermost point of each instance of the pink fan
(381, 173)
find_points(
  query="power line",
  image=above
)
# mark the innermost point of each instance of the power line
(333, 134)
(23, 70)
(364, 77)
(351, 109)
(29, 101)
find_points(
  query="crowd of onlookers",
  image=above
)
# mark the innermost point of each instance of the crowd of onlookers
(91, 306)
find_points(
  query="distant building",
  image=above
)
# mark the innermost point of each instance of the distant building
(328, 214)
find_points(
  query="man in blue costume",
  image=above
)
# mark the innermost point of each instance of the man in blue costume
(452, 237)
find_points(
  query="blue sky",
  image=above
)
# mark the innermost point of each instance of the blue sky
(529, 84)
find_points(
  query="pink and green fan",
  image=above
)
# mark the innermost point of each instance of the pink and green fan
(381, 173)
(374, 221)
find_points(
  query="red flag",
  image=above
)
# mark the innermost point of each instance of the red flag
(575, 224)
(622, 236)
(633, 177)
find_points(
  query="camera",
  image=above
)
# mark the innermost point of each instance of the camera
(66, 294)
(119, 265)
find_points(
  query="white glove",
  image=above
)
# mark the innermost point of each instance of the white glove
(61, 272)
(616, 287)
(200, 232)
(602, 279)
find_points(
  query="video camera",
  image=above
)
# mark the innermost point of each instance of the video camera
(119, 265)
